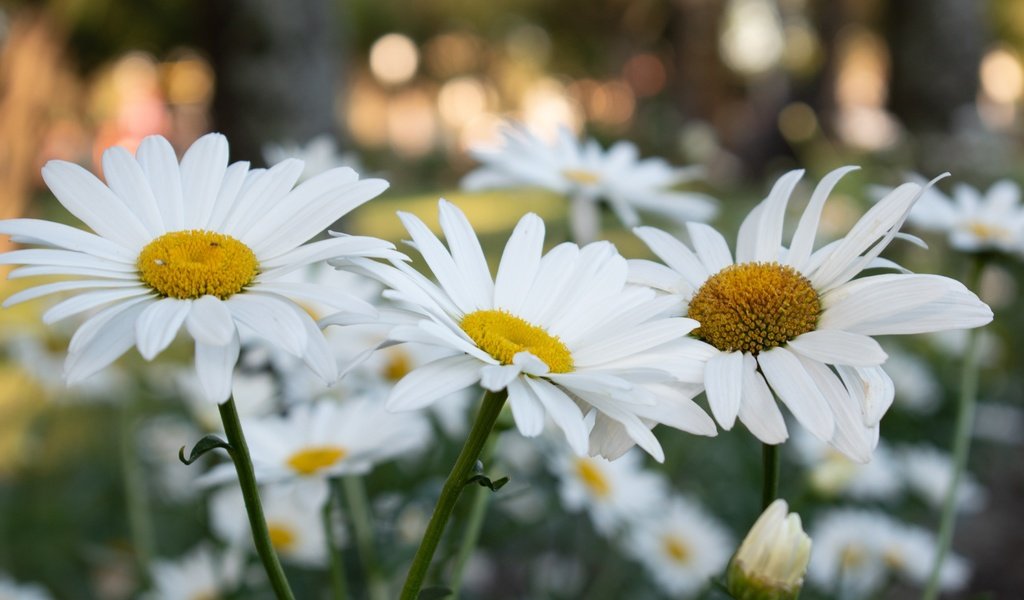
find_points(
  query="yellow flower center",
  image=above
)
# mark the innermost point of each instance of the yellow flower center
(311, 459)
(752, 307)
(194, 263)
(581, 176)
(852, 556)
(398, 364)
(676, 549)
(503, 335)
(282, 537)
(988, 231)
(593, 477)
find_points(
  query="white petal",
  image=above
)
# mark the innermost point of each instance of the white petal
(261, 191)
(746, 239)
(318, 356)
(657, 276)
(440, 263)
(90, 300)
(520, 262)
(675, 254)
(527, 411)
(564, 412)
(497, 377)
(638, 339)
(806, 230)
(209, 321)
(158, 161)
(58, 235)
(850, 437)
(202, 171)
(798, 391)
(635, 427)
(711, 247)
(275, 320)
(723, 379)
(158, 324)
(215, 366)
(759, 412)
(837, 347)
(126, 178)
(529, 363)
(872, 388)
(65, 258)
(434, 381)
(230, 191)
(101, 340)
(64, 286)
(769, 229)
(467, 254)
(551, 277)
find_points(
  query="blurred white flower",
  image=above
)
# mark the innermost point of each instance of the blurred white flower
(198, 245)
(319, 155)
(12, 590)
(799, 322)
(40, 357)
(973, 221)
(681, 546)
(833, 474)
(159, 440)
(198, 575)
(563, 333)
(999, 422)
(295, 524)
(917, 389)
(928, 472)
(772, 559)
(855, 551)
(587, 174)
(326, 438)
(614, 493)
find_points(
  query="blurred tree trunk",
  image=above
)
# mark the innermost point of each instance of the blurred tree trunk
(936, 49)
(276, 70)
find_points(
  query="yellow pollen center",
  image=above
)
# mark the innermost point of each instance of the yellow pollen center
(194, 263)
(592, 477)
(503, 335)
(852, 556)
(752, 307)
(581, 176)
(676, 549)
(398, 364)
(987, 231)
(314, 458)
(281, 536)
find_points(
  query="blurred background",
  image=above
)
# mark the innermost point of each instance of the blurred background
(745, 88)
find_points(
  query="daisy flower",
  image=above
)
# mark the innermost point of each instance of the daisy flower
(832, 473)
(796, 322)
(614, 493)
(682, 548)
(198, 575)
(972, 220)
(296, 527)
(320, 154)
(326, 438)
(563, 333)
(928, 472)
(587, 174)
(21, 591)
(200, 244)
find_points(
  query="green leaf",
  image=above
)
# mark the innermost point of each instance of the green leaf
(486, 482)
(203, 446)
(434, 593)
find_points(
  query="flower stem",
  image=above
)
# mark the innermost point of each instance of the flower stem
(239, 452)
(475, 524)
(961, 444)
(770, 464)
(490, 408)
(135, 494)
(362, 526)
(337, 565)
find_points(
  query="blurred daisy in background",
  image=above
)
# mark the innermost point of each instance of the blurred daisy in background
(319, 155)
(198, 575)
(833, 474)
(10, 588)
(562, 332)
(796, 322)
(972, 220)
(200, 244)
(296, 528)
(614, 493)
(587, 174)
(928, 473)
(681, 546)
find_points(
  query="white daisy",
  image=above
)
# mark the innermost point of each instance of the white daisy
(928, 472)
(326, 438)
(796, 322)
(296, 527)
(614, 493)
(682, 547)
(198, 575)
(12, 590)
(563, 333)
(200, 244)
(772, 560)
(587, 174)
(973, 221)
(833, 474)
(319, 154)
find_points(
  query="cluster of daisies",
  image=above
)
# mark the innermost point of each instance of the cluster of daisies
(601, 347)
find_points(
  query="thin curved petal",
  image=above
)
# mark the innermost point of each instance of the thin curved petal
(723, 379)
(433, 381)
(798, 391)
(837, 347)
(215, 366)
(158, 324)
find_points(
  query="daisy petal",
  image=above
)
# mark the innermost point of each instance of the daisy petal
(803, 239)
(769, 229)
(215, 366)
(58, 235)
(125, 177)
(467, 254)
(498, 377)
(724, 381)
(275, 320)
(160, 164)
(564, 412)
(64, 286)
(434, 381)
(88, 301)
(101, 340)
(711, 247)
(158, 324)
(519, 264)
(759, 412)
(798, 391)
(657, 276)
(837, 347)
(210, 322)
(675, 254)
(202, 171)
(851, 437)
(527, 411)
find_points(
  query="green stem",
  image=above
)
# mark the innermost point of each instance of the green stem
(362, 526)
(135, 494)
(337, 566)
(961, 444)
(471, 536)
(770, 464)
(490, 408)
(239, 452)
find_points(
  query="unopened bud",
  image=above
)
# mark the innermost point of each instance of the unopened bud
(772, 560)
